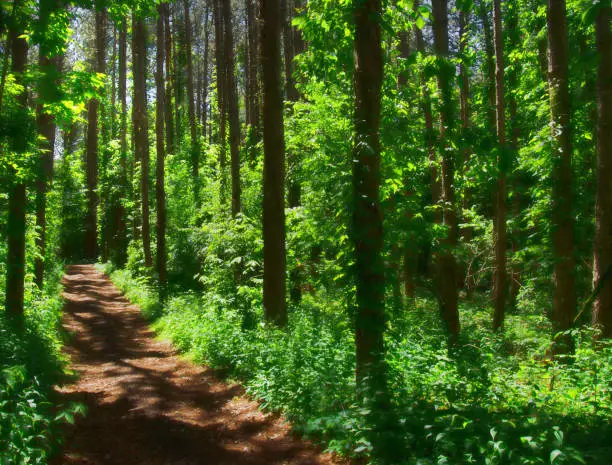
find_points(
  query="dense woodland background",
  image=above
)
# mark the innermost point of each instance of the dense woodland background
(392, 221)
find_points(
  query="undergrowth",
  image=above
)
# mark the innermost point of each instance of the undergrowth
(496, 399)
(30, 364)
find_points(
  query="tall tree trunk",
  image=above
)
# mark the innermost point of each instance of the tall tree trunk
(46, 128)
(195, 150)
(160, 108)
(232, 106)
(91, 218)
(168, 56)
(121, 220)
(429, 126)
(141, 127)
(253, 107)
(514, 43)
(221, 92)
(602, 269)
(447, 273)
(499, 233)
(275, 261)
(16, 222)
(367, 215)
(205, 80)
(564, 295)
(489, 63)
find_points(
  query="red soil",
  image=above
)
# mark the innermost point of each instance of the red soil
(146, 404)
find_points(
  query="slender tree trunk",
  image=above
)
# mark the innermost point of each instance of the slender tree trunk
(160, 108)
(564, 295)
(367, 215)
(500, 234)
(232, 106)
(114, 84)
(602, 269)
(121, 220)
(168, 93)
(141, 127)
(430, 142)
(16, 222)
(489, 63)
(447, 273)
(46, 129)
(275, 262)
(221, 94)
(91, 218)
(205, 80)
(195, 150)
(253, 116)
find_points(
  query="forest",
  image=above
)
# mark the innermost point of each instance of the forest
(387, 222)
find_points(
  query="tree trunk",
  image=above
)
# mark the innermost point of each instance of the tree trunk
(367, 215)
(489, 63)
(168, 56)
(160, 108)
(602, 269)
(499, 232)
(232, 105)
(447, 273)
(16, 222)
(275, 261)
(91, 218)
(195, 150)
(221, 93)
(121, 213)
(429, 127)
(46, 129)
(564, 295)
(141, 127)
(253, 107)
(205, 80)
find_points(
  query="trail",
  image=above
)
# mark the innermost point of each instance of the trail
(146, 405)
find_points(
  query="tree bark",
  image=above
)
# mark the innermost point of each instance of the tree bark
(602, 308)
(489, 62)
(168, 56)
(16, 222)
(141, 127)
(447, 273)
(195, 150)
(221, 92)
(500, 239)
(367, 227)
(254, 104)
(91, 218)
(160, 109)
(232, 106)
(50, 66)
(564, 294)
(275, 262)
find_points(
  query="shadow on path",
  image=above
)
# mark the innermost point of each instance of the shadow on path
(146, 405)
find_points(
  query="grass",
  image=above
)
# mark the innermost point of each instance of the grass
(496, 399)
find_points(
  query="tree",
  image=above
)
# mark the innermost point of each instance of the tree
(91, 219)
(160, 109)
(367, 228)
(16, 223)
(602, 263)
(275, 260)
(50, 66)
(195, 149)
(253, 104)
(141, 126)
(564, 294)
(232, 105)
(221, 91)
(447, 273)
(500, 234)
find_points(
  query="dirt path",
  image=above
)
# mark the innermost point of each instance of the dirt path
(149, 406)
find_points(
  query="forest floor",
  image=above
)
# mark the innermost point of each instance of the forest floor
(148, 405)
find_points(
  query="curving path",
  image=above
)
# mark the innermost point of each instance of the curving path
(146, 405)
